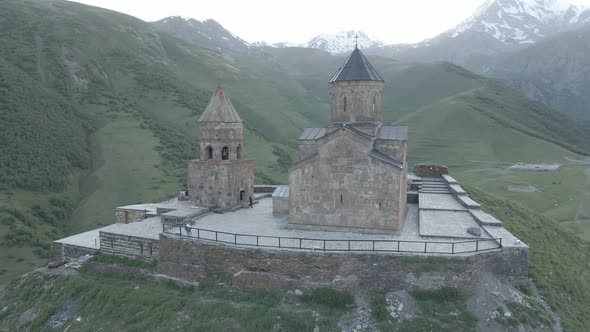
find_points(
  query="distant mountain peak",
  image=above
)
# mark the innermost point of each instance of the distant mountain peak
(522, 21)
(342, 41)
(206, 33)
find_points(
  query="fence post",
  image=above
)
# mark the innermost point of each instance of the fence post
(324, 245)
(500, 243)
(300, 240)
(235, 239)
(476, 245)
(198, 233)
(373, 245)
(180, 230)
(453, 248)
(425, 244)
(279, 241)
(348, 245)
(216, 236)
(257, 240)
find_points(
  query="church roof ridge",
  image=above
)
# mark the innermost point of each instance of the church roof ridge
(220, 109)
(356, 68)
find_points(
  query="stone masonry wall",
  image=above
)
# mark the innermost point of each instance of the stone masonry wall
(280, 206)
(344, 187)
(217, 184)
(245, 267)
(133, 247)
(62, 251)
(363, 101)
(128, 215)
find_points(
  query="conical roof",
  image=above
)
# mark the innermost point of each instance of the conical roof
(356, 68)
(220, 109)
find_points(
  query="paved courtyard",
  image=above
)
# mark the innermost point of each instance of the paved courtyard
(436, 226)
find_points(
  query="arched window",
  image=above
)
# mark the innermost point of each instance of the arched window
(239, 152)
(225, 153)
(344, 104)
(209, 152)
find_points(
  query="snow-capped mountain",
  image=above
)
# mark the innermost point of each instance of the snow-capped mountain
(522, 21)
(207, 33)
(342, 42)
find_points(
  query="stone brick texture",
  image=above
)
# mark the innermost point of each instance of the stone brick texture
(343, 187)
(62, 251)
(363, 101)
(247, 267)
(128, 215)
(280, 206)
(217, 183)
(430, 171)
(132, 247)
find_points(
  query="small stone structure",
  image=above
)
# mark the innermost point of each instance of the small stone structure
(127, 215)
(220, 178)
(280, 201)
(430, 171)
(351, 175)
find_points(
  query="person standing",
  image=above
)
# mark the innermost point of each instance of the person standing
(251, 203)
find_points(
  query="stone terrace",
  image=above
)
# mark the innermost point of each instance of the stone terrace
(437, 225)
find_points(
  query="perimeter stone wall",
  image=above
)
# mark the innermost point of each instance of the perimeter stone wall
(127, 246)
(245, 267)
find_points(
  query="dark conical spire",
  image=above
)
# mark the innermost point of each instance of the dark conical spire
(356, 68)
(220, 109)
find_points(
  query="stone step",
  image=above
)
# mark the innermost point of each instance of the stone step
(435, 191)
(434, 185)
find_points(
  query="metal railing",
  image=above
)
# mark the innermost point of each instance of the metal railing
(401, 246)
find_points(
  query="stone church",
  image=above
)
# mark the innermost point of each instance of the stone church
(220, 178)
(352, 174)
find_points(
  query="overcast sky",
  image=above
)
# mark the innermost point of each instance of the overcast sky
(295, 21)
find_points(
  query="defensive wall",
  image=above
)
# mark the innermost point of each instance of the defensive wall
(247, 267)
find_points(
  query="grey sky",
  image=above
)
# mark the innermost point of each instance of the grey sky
(393, 21)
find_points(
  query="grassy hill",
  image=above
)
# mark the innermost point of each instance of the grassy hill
(104, 109)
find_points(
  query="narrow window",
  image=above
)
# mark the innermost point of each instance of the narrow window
(344, 104)
(374, 100)
(225, 153)
(209, 151)
(239, 152)
(341, 199)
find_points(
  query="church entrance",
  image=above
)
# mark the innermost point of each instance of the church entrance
(242, 195)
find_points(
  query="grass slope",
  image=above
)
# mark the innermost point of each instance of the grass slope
(559, 262)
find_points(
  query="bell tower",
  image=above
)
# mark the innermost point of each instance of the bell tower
(356, 91)
(220, 178)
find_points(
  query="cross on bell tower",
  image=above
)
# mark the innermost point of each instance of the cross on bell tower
(356, 41)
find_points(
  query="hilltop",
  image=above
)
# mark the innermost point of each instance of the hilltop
(104, 105)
